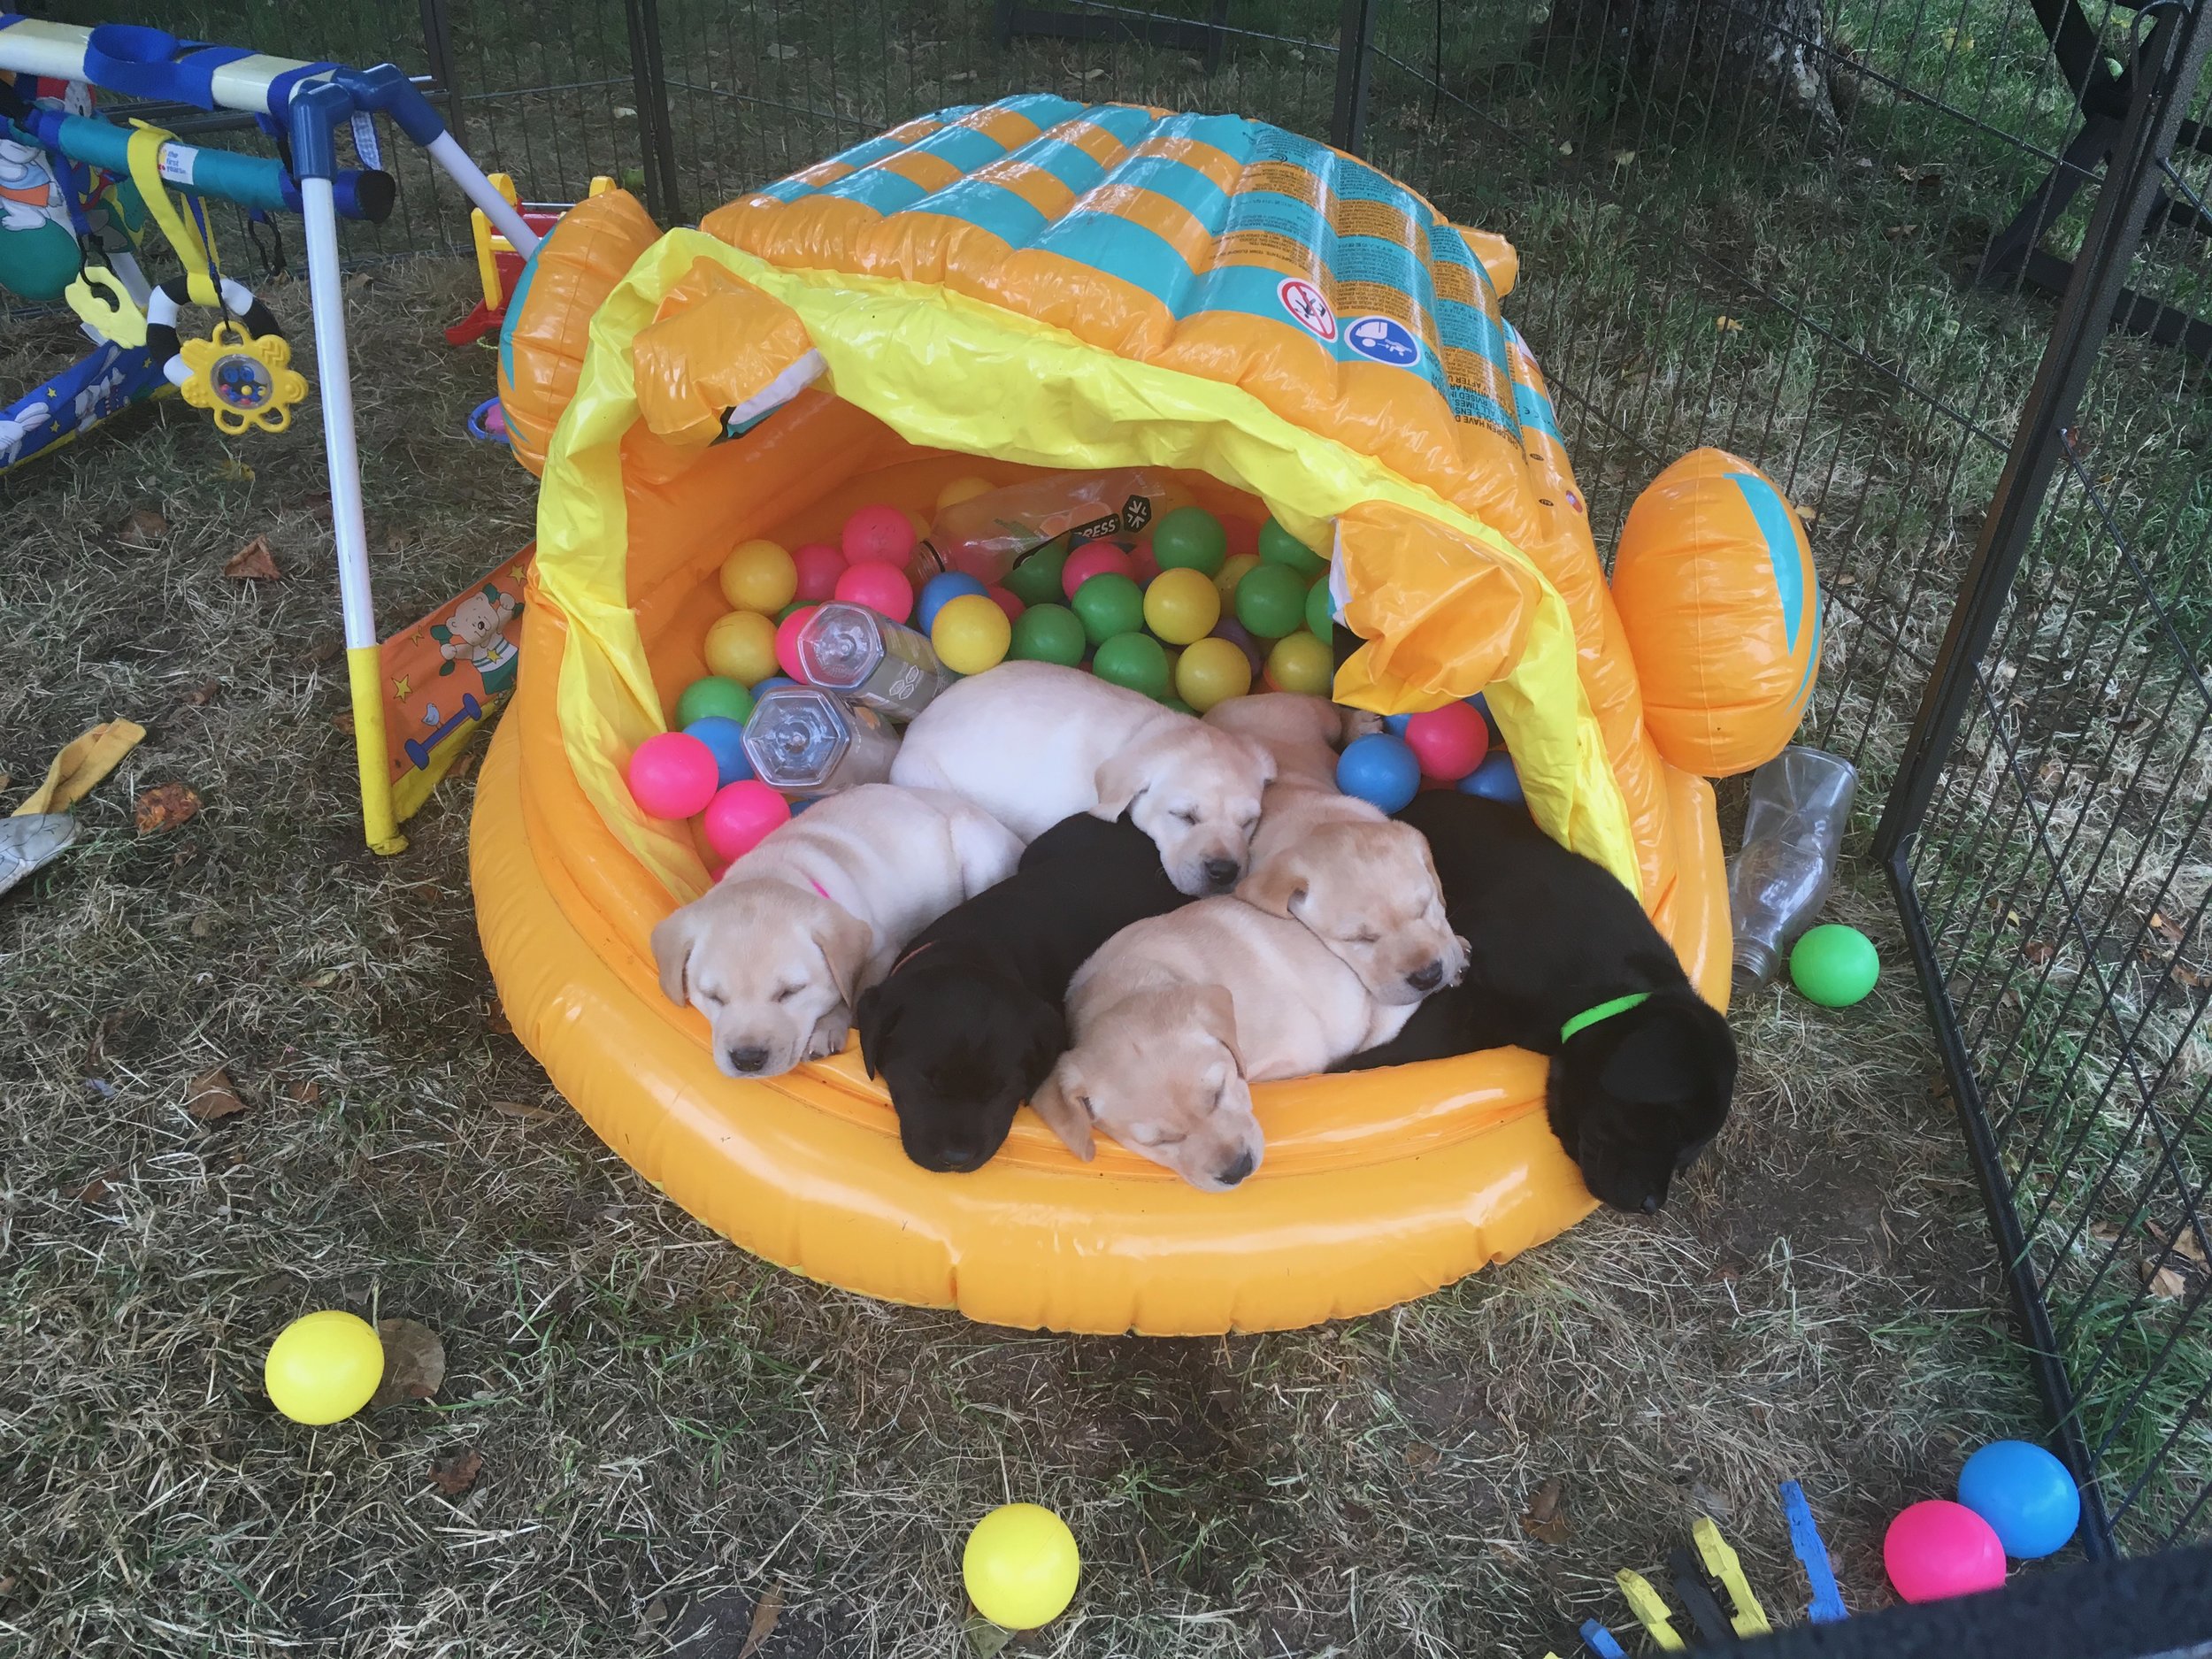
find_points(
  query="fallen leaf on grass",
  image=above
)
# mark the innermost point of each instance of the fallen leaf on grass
(2186, 1244)
(1544, 1521)
(236, 470)
(495, 1020)
(463, 764)
(213, 1096)
(321, 981)
(2163, 1282)
(143, 523)
(414, 1362)
(528, 1114)
(2103, 1231)
(2037, 952)
(1728, 325)
(343, 721)
(456, 1472)
(2195, 978)
(95, 1191)
(1421, 1455)
(766, 1611)
(2166, 928)
(253, 563)
(200, 696)
(166, 805)
(306, 1091)
(1898, 232)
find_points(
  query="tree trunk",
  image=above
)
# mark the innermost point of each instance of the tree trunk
(1777, 49)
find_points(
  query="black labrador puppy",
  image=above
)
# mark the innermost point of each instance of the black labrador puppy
(1563, 962)
(968, 1020)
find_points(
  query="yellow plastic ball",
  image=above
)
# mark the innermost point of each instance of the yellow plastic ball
(970, 633)
(1212, 670)
(323, 1367)
(1182, 605)
(759, 576)
(964, 489)
(743, 646)
(1299, 662)
(1021, 1566)
(1231, 574)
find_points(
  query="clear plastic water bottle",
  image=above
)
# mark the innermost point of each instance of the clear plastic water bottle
(804, 740)
(868, 660)
(1801, 801)
(985, 535)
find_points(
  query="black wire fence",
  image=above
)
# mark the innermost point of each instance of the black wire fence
(1876, 245)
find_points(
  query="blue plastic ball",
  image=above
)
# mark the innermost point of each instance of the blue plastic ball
(941, 589)
(1381, 769)
(725, 738)
(1495, 779)
(1396, 723)
(772, 682)
(2024, 1493)
(1480, 704)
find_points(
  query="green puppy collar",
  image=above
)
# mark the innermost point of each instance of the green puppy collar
(1590, 1016)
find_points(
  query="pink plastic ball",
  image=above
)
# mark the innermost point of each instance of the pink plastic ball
(1006, 602)
(1093, 558)
(672, 775)
(1142, 565)
(883, 588)
(1939, 1548)
(819, 565)
(878, 536)
(1449, 742)
(787, 641)
(740, 813)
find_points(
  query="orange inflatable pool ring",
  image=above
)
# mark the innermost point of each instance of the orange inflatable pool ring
(1038, 285)
(1715, 578)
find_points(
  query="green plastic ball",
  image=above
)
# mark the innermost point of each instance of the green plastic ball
(1835, 965)
(1278, 546)
(1321, 612)
(1036, 580)
(1179, 705)
(1190, 538)
(1131, 659)
(713, 696)
(1271, 601)
(1048, 633)
(1109, 604)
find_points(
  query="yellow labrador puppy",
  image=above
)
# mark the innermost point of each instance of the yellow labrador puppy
(1032, 743)
(778, 952)
(1174, 1018)
(1363, 883)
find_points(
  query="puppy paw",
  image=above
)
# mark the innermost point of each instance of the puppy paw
(828, 1036)
(1359, 723)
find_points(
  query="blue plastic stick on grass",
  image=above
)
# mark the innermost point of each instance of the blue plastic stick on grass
(1599, 1640)
(1827, 1604)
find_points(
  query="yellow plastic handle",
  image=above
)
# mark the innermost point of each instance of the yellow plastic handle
(194, 250)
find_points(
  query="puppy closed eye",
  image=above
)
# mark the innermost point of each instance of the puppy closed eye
(1186, 814)
(784, 994)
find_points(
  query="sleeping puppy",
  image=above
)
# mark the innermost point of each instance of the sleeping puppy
(1635, 1092)
(1032, 742)
(1175, 1017)
(1361, 883)
(777, 952)
(967, 1024)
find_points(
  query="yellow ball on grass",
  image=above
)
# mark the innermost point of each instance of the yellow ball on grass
(323, 1367)
(1021, 1566)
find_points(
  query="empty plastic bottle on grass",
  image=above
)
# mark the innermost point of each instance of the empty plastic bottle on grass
(1799, 801)
(984, 535)
(804, 740)
(865, 658)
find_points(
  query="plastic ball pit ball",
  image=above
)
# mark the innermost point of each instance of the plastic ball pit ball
(1381, 769)
(964, 489)
(741, 646)
(1271, 601)
(1107, 604)
(1142, 565)
(1021, 1565)
(1006, 602)
(713, 695)
(1190, 538)
(883, 588)
(1212, 670)
(740, 815)
(1320, 612)
(1278, 546)
(1135, 660)
(1302, 662)
(1233, 570)
(759, 576)
(1035, 580)
(1449, 742)
(1230, 629)
(1092, 559)
(1938, 1549)
(673, 776)
(323, 1367)
(1048, 633)
(1497, 778)
(1181, 605)
(938, 590)
(878, 536)
(788, 645)
(970, 633)
(772, 682)
(724, 739)
(817, 565)
(2025, 1494)
(1834, 965)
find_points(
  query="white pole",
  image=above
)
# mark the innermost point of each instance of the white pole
(446, 150)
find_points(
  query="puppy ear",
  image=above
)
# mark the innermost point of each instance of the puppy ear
(1217, 1015)
(1121, 778)
(874, 1025)
(1277, 885)
(1059, 1101)
(1047, 1038)
(673, 939)
(1265, 755)
(844, 941)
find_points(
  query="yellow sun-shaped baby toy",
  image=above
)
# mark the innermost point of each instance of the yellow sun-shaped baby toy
(247, 380)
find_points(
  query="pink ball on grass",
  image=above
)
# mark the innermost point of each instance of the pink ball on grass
(883, 588)
(1938, 1549)
(739, 814)
(819, 565)
(672, 775)
(1094, 558)
(787, 641)
(877, 535)
(1449, 742)
(1006, 602)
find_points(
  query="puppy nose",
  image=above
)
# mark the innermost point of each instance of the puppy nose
(1651, 1204)
(957, 1156)
(1231, 1172)
(1426, 979)
(1222, 874)
(749, 1059)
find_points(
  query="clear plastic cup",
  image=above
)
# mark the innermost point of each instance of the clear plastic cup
(804, 740)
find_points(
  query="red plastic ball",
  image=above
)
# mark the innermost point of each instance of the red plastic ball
(1143, 564)
(878, 536)
(1937, 1549)
(741, 814)
(883, 588)
(788, 642)
(1093, 558)
(1008, 602)
(1449, 742)
(672, 775)
(819, 565)
(1243, 535)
